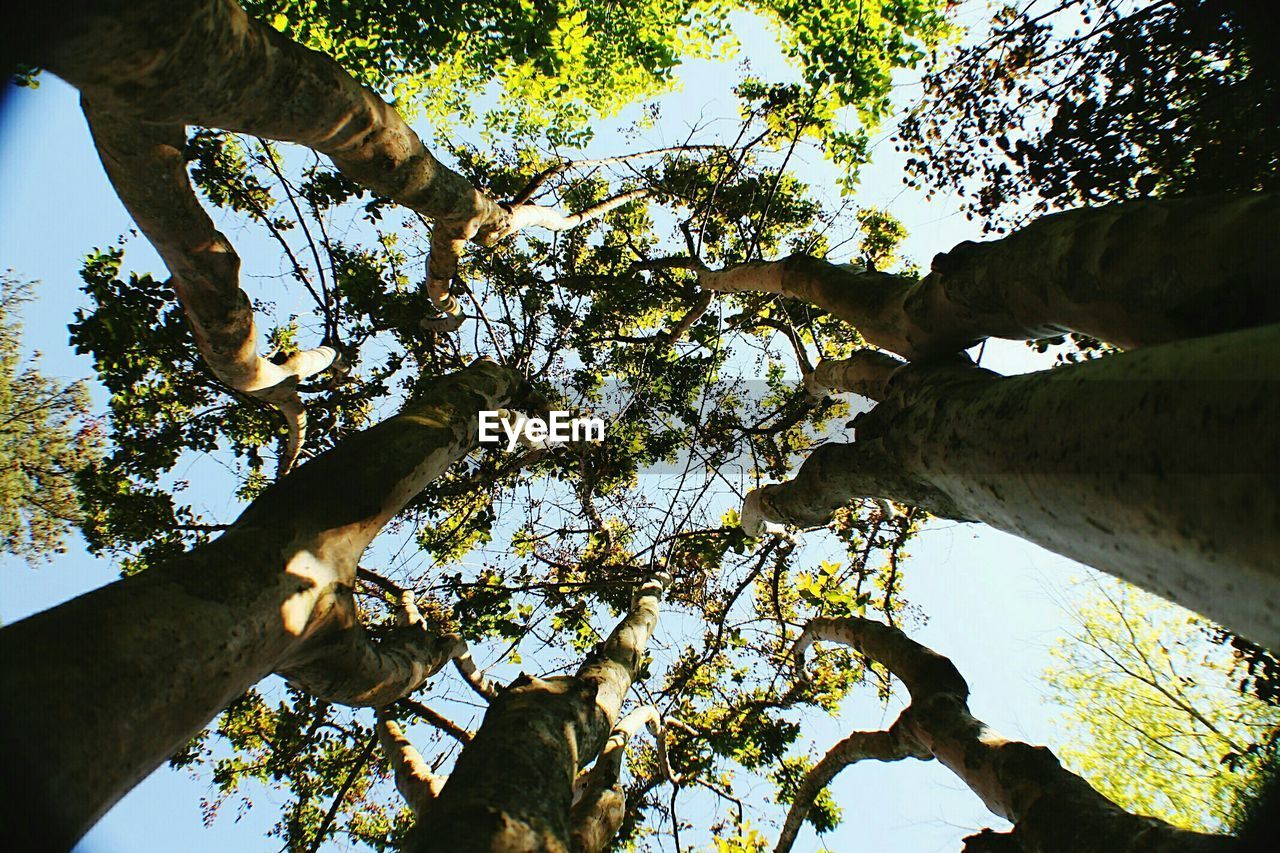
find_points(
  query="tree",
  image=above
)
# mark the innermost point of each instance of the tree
(967, 444)
(598, 310)
(161, 385)
(1092, 101)
(272, 594)
(45, 438)
(1157, 722)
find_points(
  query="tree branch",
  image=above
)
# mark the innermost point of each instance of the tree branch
(598, 811)
(860, 746)
(146, 166)
(485, 687)
(436, 719)
(352, 773)
(554, 220)
(615, 663)
(414, 779)
(205, 62)
(1134, 274)
(512, 787)
(833, 476)
(349, 667)
(547, 174)
(1052, 809)
(865, 373)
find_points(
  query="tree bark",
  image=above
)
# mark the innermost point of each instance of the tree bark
(865, 373)
(414, 779)
(512, 787)
(599, 810)
(97, 692)
(1052, 809)
(205, 62)
(1133, 274)
(149, 173)
(1157, 466)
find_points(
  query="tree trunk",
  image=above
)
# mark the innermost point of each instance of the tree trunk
(1052, 809)
(1132, 274)
(1158, 466)
(97, 692)
(512, 788)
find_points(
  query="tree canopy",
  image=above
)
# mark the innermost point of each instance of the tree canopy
(714, 307)
(1164, 725)
(47, 438)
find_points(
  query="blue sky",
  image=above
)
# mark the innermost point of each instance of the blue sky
(990, 598)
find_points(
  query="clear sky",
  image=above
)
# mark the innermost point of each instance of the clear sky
(991, 599)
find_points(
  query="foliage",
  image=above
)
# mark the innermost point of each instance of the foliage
(1086, 101)
(548, 67)
(547, 70)
(46, 436)
(525, 574)
(530, 556)
(1158, 720)
(747, 840)
(847, 54)
(319, 751)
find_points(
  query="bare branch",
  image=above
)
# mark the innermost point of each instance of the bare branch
(483, 685)
(434, 718)
(554, 220)
(880, 746)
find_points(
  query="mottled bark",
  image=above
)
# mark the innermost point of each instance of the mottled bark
(97, 692)
(414, 779)
(205, 62)
(601, 804)
(865, 373)
(1052, 809)
(512, 787)
(349, 667)
(1157, 466)
(146, 166)
(1134, 274)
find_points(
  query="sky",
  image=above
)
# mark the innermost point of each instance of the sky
(993, 601)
